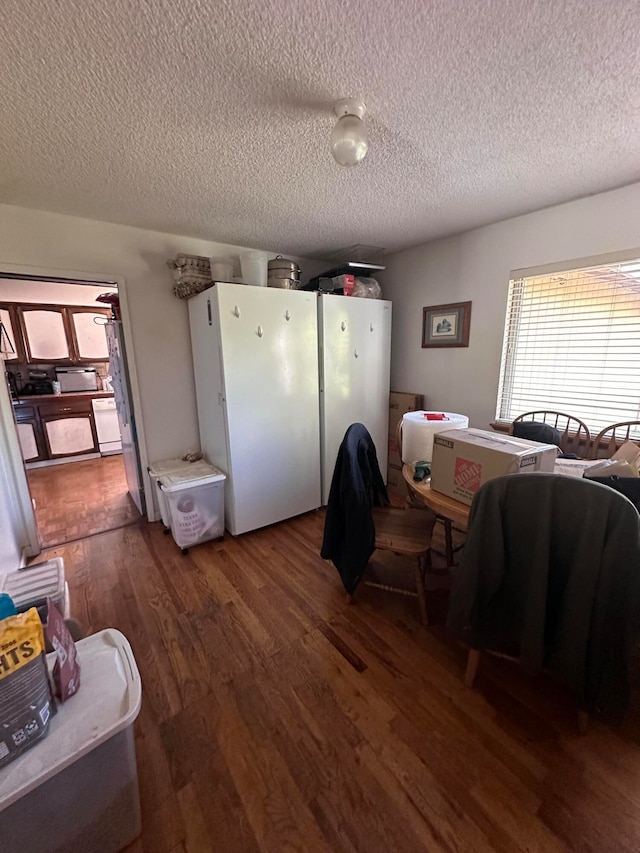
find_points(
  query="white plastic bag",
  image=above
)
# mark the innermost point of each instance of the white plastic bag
(367, 288)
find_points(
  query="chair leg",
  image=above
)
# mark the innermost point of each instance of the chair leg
(472, 667)
(422, 594)
(448, 542)
(348, 598)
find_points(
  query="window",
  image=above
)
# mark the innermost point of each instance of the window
(572, 344)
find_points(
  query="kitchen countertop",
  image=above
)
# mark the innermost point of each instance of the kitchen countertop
(33, 399)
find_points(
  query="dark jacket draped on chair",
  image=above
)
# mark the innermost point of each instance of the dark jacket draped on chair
(356, 486)
(551, 571)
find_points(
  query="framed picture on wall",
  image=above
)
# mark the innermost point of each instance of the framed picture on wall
(446, 325)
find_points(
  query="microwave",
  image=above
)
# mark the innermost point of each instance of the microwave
(77, 379)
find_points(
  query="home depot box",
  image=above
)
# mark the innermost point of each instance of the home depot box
(399, 404)
(464, 459)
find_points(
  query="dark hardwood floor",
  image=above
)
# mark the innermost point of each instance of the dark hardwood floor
(80, 498)
(276, 717)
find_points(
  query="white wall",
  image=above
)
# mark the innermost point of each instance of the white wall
(159, 321)
(476, 266)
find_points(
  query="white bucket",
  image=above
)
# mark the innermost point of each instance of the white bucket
(418, 432)
(254, 268)
(221, 269)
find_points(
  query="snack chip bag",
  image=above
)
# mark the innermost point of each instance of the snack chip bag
(26, 703)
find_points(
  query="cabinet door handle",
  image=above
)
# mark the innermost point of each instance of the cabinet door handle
(65, 409)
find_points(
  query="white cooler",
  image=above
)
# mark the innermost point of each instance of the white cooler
(77, 789)
(195, 500)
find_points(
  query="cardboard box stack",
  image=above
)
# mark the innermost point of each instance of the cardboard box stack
(399, 404)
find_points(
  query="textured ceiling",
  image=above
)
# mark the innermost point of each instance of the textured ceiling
(212, 119)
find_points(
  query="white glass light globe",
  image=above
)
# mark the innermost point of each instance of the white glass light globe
(348, 141)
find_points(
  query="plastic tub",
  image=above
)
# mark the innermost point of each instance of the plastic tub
(196, 505)
(77, 790)
(221, 269)
(254, 268)
(31, 586)
(172, 466)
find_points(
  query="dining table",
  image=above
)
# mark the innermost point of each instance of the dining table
(455, 513)
(448, 510)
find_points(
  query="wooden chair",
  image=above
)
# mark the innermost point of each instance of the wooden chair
(405, 531)
(412, 501)
(483, 598)
(574, 433)
(610, 438)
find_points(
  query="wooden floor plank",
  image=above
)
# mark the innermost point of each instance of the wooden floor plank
(275, 717)
(78, 499)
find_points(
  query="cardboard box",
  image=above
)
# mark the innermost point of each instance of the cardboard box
(395, 480)
(401, 403)
(465, 459)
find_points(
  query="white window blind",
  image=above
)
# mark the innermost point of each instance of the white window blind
(572, 345)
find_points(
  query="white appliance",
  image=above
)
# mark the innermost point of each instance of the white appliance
(355, 357)
(107, 426)
(126, 417)
(274, 369)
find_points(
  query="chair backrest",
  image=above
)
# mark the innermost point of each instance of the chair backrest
(399, 439)
(536, 431)
(610, 438)
(574, 433)
(549, 571)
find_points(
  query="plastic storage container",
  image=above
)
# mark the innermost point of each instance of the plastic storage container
(31, 586)
(253, 266)
(196, 504)
(170, 466)
(77, 790)
(221, 269)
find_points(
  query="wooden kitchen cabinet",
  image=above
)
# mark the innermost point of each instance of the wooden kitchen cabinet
(46, 335)
(69, 428)
(89, 341)
(30, 435)
(61, 334)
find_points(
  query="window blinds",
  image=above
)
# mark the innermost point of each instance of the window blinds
(572, 344)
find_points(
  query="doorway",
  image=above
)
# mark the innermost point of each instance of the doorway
(74, 422)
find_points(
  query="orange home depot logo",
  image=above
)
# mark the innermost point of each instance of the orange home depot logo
(467, 475)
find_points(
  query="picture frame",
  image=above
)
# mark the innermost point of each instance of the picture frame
(446, 325)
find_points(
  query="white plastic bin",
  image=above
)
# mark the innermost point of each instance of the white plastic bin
(77, 790)
(221, 269)
(174, 466)
(196, 505)
(253, 266)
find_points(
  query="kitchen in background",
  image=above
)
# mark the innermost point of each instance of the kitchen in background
(66, 371)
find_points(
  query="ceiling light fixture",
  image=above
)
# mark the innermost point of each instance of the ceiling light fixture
(349, 137)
